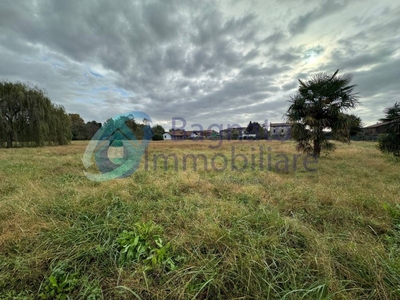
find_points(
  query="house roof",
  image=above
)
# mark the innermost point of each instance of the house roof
(188, 133)
(279, 124)
(232, 128)
(180, 133)
(209, 131)
(376, 125)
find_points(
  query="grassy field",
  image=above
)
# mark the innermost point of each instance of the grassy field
(210, 233)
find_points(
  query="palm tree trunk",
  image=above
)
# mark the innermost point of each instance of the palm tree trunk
(317, 148)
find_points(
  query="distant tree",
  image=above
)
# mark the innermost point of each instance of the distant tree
(234, 134)
(158, 137)
(249, 128)
(255, 128)
(158, 129)
(390, 141)
(131, 123)
(29, 118)
(59, 126)
(262, 134)
(78, 129)
(111, 129)
(91, 128)
(318, 105)
(108, 127)
(355, 124)
(258, 130)
(138, 129)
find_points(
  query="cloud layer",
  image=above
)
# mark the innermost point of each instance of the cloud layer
(208, 62)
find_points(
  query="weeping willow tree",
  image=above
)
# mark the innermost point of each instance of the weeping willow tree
(28, 118)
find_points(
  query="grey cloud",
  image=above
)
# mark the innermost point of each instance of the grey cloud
(346, 62)
(163, 19)
(274, 38)
(287, 57)
(289, 86)
(253, 53)
(300, 24)
(174, 58)
(149, 49)
(379, 80)
(188, 58)
(260, 96)
(256, 70)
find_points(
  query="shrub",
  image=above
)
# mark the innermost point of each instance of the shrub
(158, 137)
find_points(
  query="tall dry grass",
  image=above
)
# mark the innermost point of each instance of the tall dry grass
(235, 234)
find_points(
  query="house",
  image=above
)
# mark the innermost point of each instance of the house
(375, 129)
(248, 136)
(280, 130)
(179, 134)
(277, 131)
(240, 133)
(167, 136)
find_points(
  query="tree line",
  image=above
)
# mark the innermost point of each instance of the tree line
(85, 131)
(81, 130)
(28, 118)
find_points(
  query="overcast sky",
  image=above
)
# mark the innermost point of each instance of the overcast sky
(205, 61)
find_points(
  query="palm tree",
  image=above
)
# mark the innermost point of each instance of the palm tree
(390, 142)
(319, 105)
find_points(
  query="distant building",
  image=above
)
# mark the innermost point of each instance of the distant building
(179, 134)
(280, 130)
(375, 129)
(167, 136)
(277, 131)
(248, 136)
